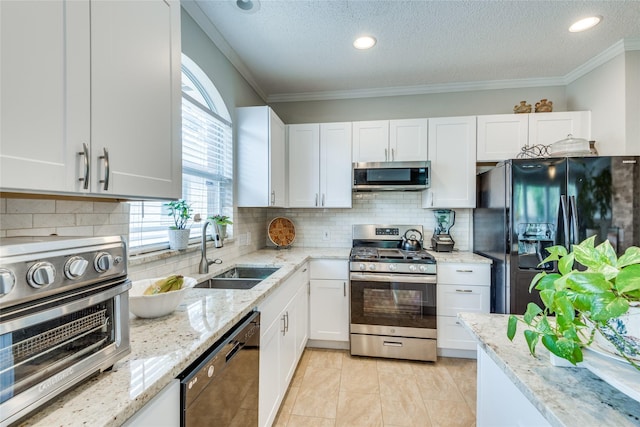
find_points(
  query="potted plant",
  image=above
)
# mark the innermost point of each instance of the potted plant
(222, 221)
(180, 210)
(595, 298)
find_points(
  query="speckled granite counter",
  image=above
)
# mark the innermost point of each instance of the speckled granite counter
(564, 396)
(461, 257)
(162, 348)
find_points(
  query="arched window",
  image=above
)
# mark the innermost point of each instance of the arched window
(207, 163)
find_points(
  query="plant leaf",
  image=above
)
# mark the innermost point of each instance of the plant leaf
(545, 281)
(585, 252)
(532, 339)
(564, 308)
(547, 296)
(565, 265)
(511, 327)
(607, 306)
(630, 256)
(532, 311)
(628, 279)
(588, 282)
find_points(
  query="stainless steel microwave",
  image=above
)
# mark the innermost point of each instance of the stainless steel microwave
(392, 176)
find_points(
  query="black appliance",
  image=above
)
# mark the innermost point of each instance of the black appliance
(527, 205)
(393, 295)
(392, 176)
(221, 387)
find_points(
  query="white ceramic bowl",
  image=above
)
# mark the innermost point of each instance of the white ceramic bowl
(627, 327)
(150, 306)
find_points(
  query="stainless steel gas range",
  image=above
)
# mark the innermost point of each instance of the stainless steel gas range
(393, 294)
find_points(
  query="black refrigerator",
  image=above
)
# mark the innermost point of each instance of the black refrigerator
(527, 205)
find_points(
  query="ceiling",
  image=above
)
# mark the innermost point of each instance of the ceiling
(302, 49)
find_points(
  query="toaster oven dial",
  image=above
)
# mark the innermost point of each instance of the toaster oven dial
(7, 281)
(41, 274)
(75, 267)
(103, 262)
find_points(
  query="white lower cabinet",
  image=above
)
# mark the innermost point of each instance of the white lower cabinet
(500, 403)
(284, 334)
(329, 300)
(462, 287)
(162, 410)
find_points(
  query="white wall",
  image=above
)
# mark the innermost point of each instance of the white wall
(603, 92)
(633, 102)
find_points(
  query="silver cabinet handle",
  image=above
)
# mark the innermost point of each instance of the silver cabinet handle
(105, 181)
(273, 197)
(85, 158)
(287, 322)
(284, 326)
(322, 199)
(344, 288)
(393, 154)
(386, 155)
(392, 343)
(466, 291)
(316, 199)
(464, 271)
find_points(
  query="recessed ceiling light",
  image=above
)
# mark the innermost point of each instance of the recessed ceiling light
(364, 42)
(248, 5)
(585, 24)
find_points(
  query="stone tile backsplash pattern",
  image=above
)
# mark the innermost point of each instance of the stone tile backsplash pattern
(43, 217)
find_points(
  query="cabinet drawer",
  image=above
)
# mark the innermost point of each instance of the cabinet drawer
(329, 269)
(452, 335)
(464, 274)
(453, 299)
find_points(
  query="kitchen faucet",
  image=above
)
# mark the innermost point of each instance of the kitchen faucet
(204, 261)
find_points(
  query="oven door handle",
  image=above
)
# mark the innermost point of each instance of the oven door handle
(396, 278)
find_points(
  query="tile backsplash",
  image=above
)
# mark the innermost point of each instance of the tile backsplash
(314, 227)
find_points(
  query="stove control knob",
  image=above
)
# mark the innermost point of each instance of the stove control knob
(393, 267)
(75, 267)
(362, 266)
(423, 268)
(372, 267)
(41, 274)
(413, 268)
(103, 262)
(7, 281)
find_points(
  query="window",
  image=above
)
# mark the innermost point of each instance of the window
(207, 164)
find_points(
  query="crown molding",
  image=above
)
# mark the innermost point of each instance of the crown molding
(603, 57)
(198, 15)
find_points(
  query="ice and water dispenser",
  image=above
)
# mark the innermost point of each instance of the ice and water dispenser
(533, 239)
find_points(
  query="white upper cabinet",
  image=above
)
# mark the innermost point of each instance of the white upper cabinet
(390, 140)
(547, 128)
(408, 140)
(91, 98)
(261, 157)
(502, 136)
(371, 141)
(320, 165)
(452, 152)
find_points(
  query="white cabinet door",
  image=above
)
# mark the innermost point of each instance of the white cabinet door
(408, 140)
(304, 165)
(269, 394)
(329, 310)
(371, 141)
(335, 165)
(135, 98)
(452, 151)
(45, 94)
(261, 158)
(162, 410)
(301, 319)
(501, 136)
(547, 128)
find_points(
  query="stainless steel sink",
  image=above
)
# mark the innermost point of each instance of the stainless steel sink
(248, 273)
(224, 283)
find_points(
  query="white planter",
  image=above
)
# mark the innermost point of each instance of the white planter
(562, 363)
(627, 327)
(179, 239)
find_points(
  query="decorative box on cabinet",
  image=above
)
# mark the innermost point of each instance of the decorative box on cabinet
(329, 302)
(261, 157)
(390, 140)
(105, 77)
(462, 287)
(283, 336)
(320, 165)
(502, 136)
(452, 152)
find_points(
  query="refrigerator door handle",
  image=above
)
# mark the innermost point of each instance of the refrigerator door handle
(565, 220)
(574, 219)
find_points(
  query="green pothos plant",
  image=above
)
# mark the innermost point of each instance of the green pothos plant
(582, 300)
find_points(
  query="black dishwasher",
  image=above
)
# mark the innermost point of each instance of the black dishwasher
(221, 387)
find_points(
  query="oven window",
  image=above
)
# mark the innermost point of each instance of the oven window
(36, 353)
(393, 304)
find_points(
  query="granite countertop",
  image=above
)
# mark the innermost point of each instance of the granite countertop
(459, 257)
(162, 348)
(564, 396)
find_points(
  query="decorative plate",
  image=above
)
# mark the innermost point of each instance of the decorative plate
(281, 231)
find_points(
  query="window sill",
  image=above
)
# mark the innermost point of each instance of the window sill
(146, 257)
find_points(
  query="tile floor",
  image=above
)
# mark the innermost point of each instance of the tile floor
(333, 388)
